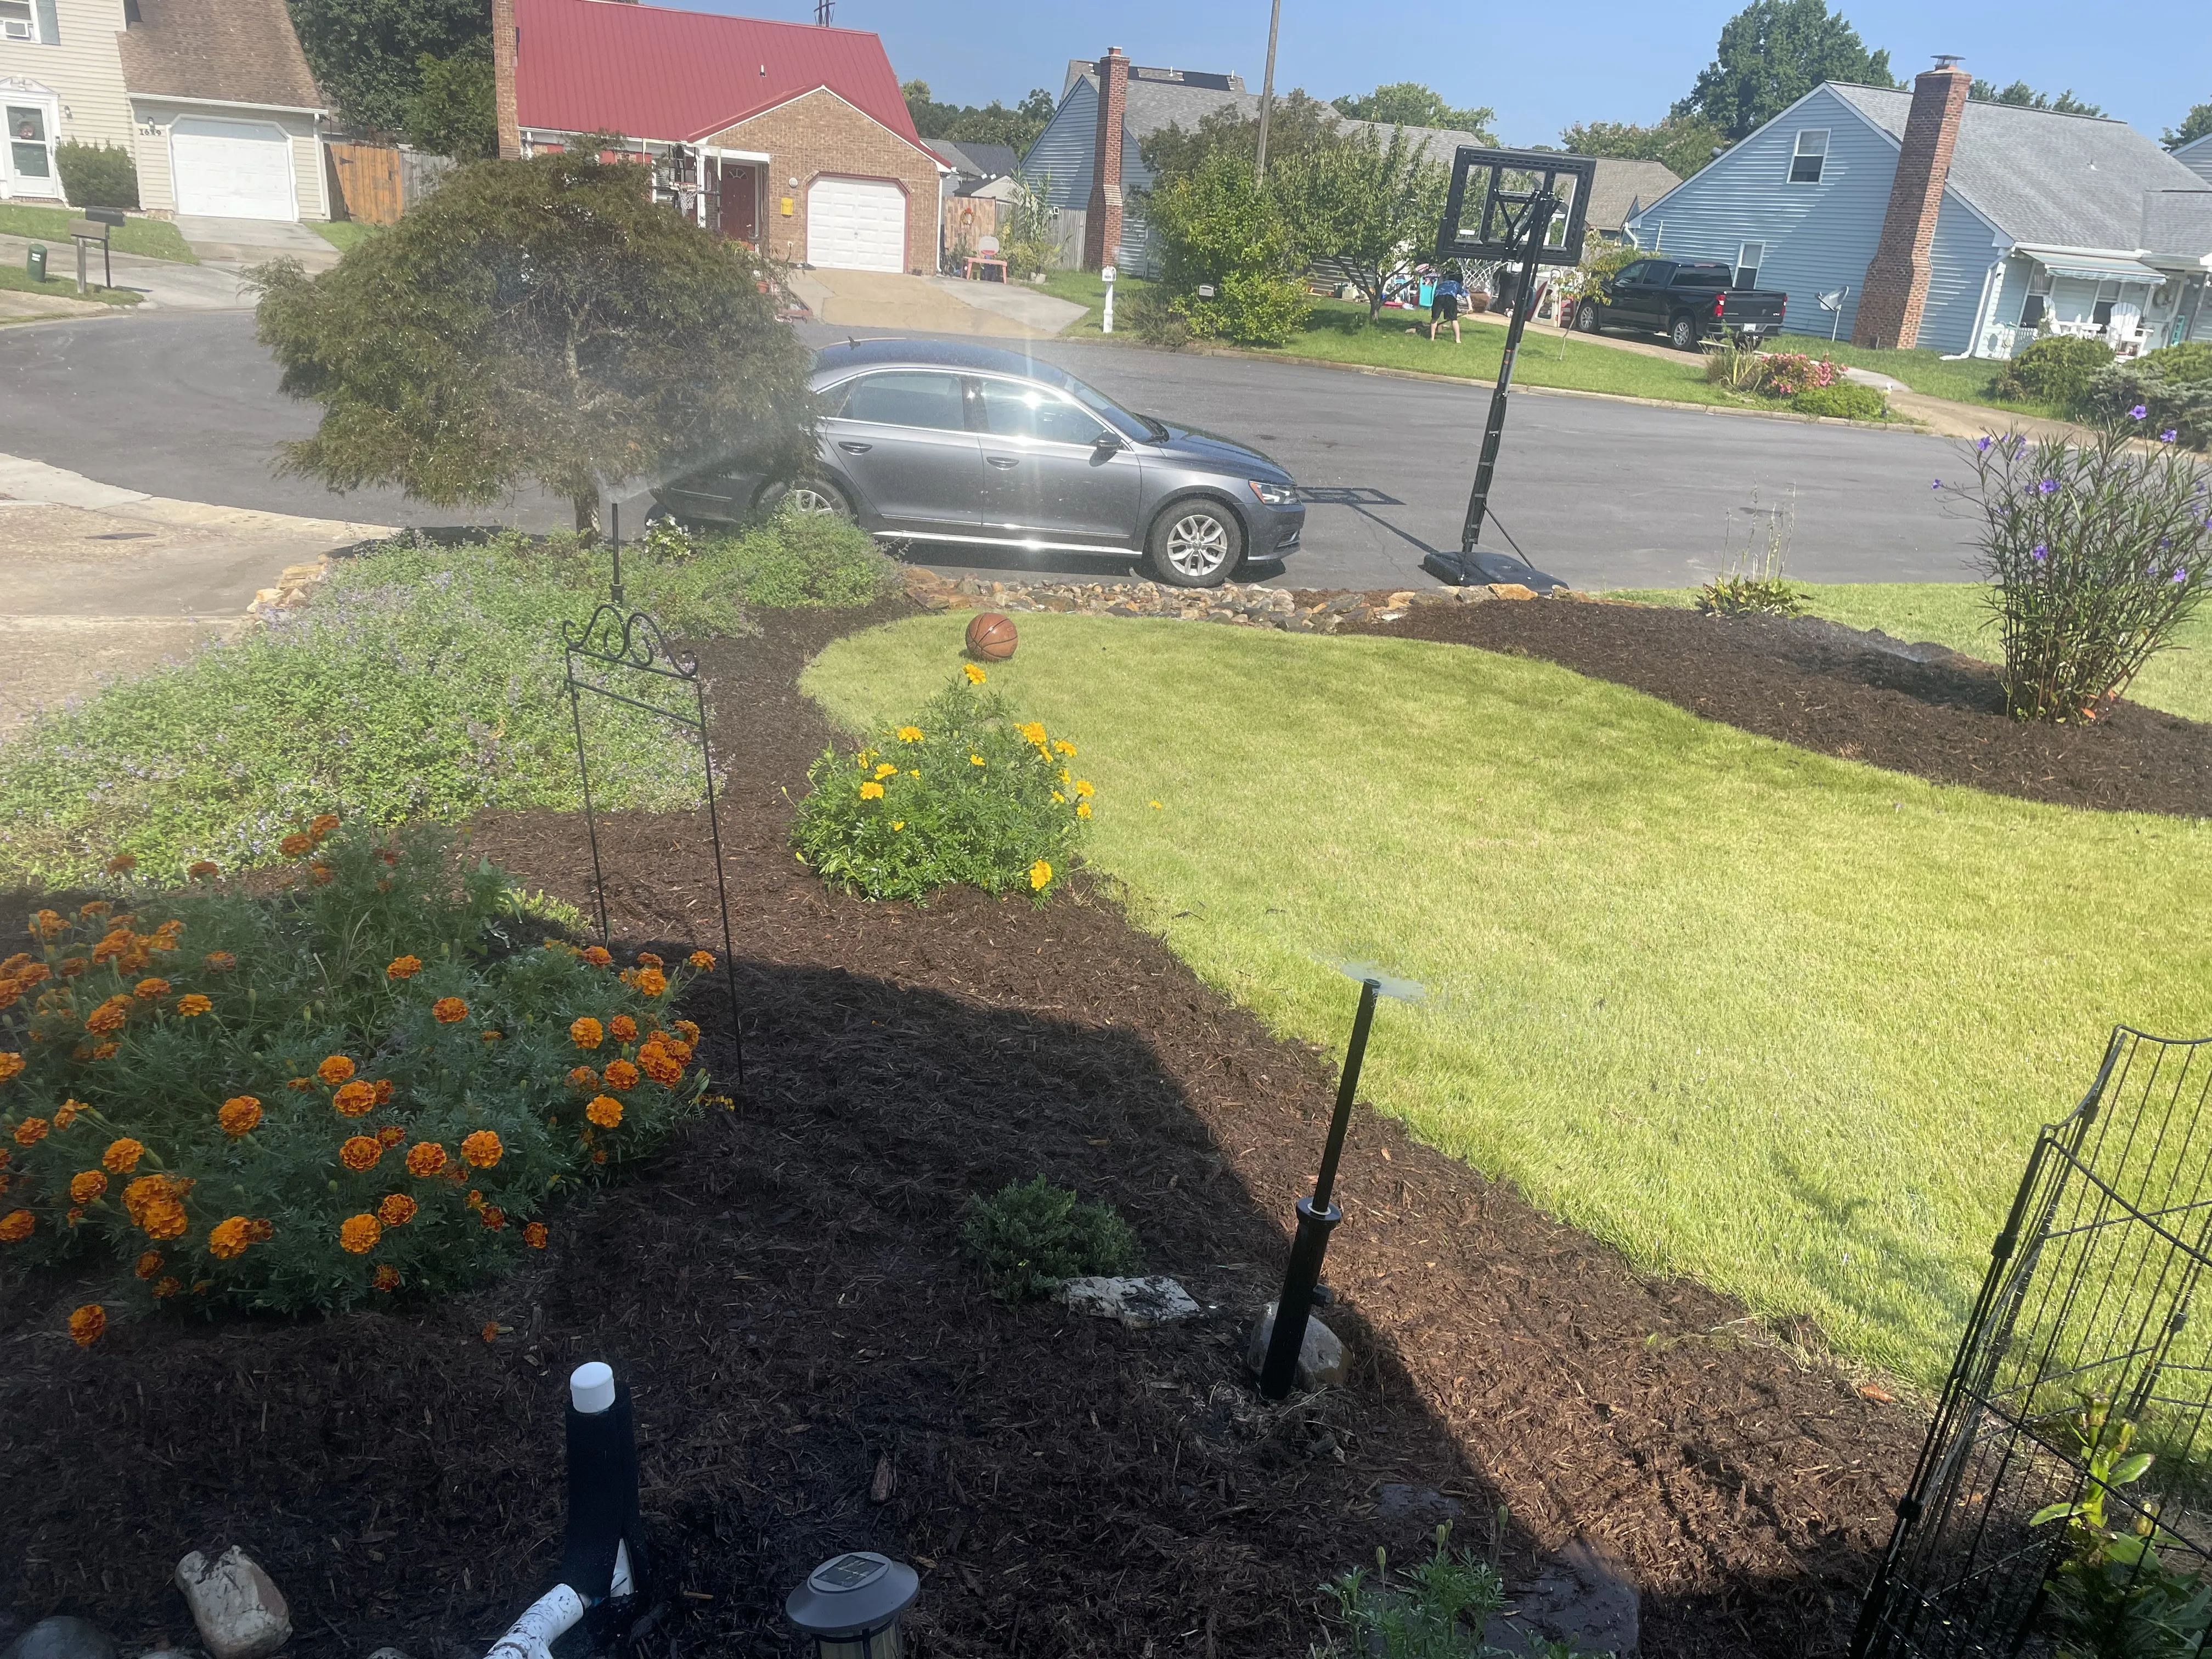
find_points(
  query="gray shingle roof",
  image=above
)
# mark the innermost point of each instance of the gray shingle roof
(1620, 184)
(238, 51)
(976, 160)
(1152, 105)
(2042, 177)
(2178, 222)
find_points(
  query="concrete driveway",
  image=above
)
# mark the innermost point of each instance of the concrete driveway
(878, 299)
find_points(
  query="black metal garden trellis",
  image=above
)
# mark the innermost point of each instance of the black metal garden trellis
(615, 639)
(2089, 1296)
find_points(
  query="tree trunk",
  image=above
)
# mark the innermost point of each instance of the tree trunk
(587, 504)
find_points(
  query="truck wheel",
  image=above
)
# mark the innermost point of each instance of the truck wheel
(1682, 332)
(1586, 317)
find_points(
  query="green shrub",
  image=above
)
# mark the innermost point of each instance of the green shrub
(960, 793)
(2057, 370)
(1030, 1235)
(1223, 232)
(1251, 308)
(1738, 367)
(2173, 387)
(451, 111)
(1846, 399)
(1438, 1611)
(1750, 596)
(98, 175)
(1153, 318)
(298, 1098)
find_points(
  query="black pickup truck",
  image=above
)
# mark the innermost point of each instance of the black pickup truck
(1687, 301)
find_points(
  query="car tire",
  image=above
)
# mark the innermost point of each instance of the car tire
(1682, 332)
(1195, 542)
(809, 495)
(1586, 318)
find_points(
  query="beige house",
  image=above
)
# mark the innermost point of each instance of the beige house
(213, 98)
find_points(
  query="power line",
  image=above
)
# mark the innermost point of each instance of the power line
(821, 10)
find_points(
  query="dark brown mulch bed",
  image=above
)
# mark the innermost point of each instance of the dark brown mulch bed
(1811, 686)
(784, 1292)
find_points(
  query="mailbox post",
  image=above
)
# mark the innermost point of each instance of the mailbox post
(95, 228)
(1106, 320)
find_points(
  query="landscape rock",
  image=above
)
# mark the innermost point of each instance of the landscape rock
(1399, 1501)
(1322, 1360)
(388, 1653)
(1511, 591)
(1136, 1302)
(1584, 1598)
(240, 1611)
(62, 1638)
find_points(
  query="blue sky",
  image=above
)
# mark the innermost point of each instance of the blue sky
(1596, 60)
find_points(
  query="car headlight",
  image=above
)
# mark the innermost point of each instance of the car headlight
(1274, 494)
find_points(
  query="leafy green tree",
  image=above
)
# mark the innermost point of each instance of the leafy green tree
(1296, 125)
(367, 54)
(991, 124)
(452, 112)
(1771, 54)
(2198, 124)
(1222, 231)
(1369, 203)
(1683, 143)
(1408, 103)
(2023, 96)
(542, 320)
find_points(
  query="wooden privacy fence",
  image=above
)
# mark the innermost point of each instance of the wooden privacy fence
(968, 221)
(375, 184)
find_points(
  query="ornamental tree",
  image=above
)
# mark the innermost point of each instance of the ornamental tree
(1683, 143)
(1771, 54)
(542, 320)
(1368, 204)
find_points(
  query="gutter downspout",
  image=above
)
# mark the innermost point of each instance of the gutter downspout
(1992, 285)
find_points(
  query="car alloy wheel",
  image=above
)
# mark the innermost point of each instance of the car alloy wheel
(816, 502)
(1586, 317)
(1684, 333)
(1198, 548)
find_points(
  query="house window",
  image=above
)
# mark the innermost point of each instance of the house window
(2101, 312)
(1748, 259)
(1810, 156)
(28, 155)
(17, 21)
(2036, 306)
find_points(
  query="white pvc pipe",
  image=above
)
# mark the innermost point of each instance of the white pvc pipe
(591, 1388)
(551, 1616)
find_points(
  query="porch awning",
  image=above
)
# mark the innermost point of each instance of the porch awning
(2096, 267)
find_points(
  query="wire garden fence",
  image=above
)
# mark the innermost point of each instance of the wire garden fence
(2057, 1504)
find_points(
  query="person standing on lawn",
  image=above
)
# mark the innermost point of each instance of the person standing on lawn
(1445, 308)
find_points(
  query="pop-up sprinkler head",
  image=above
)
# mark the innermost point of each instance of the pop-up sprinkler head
(850, 1608)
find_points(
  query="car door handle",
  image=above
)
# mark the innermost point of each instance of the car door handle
(1003, 461)
(854, 447)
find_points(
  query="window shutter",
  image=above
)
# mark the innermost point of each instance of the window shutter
(50, 26)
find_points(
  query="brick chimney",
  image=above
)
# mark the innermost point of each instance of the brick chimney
(505, 44)
(1896, 283)
(1102, 224)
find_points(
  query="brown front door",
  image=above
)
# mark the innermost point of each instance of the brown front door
(740, 202)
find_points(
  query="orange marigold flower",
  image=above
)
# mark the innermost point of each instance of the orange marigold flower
(482, 1148)
(396, 1210)
(164, 1219)
(384, 1089)
(387, 855)
(335, 1070)
(322, 873)
(679, 1052)
(475, 1199)
(583, 1077)
(239, 1115)
(357, 1234)
(404, 967)
(9, 1065)
(586, 1033)
(202, 870)
(703, 960)
(493, 1217)
(650, 982)
(147, 990)
(30, 1132)
(49, 925)
(300, 1085)
(219, 962)
(294, 844)
(104, 1050)
(605, 1111)
(110, 1016)
(226, 1240)
(87, 1323)
(122, 1156)
(143, 1194)
(385, 1278)
(148, 1264)
(121, 862)
(390, 1136)
(354, 1098)
(260, 1229)
(534, 1235)
(623, 1027)
(425, 1158)
(96, 908)
(75, 1215)
(647, 959)
(621, 1075)
(491, 1036)
(86, 1185)
(598, 1157)
(192, 1004)
(166, 1287)
(656, 1063)
(15, 1226)
(322, 823)
(687, 1031)
(360, 1153)
(66, 1113)
(597, 955)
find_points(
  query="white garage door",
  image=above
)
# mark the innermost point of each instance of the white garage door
(232, 169)
(856, 224)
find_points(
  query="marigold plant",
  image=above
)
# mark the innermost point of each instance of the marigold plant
(231, 1154)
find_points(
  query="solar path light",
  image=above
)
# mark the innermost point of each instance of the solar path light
(850, 1608)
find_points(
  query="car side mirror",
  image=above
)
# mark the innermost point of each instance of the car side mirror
(1111, 441)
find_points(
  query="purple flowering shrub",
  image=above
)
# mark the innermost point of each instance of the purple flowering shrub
(2095, 552)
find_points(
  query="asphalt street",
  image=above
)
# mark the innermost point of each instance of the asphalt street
(1604, 493)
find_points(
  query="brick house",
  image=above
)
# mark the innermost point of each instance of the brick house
(790, 136)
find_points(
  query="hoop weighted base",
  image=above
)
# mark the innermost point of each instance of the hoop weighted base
(1296, 1305)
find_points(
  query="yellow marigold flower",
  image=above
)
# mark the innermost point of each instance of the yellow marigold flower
(975, 676)
(448, 1010)
(650, 982)
(226, 1240)
(1083, 788)
(1040, 873)
(10, 1064)
(148, 1264)
(701, 960)
(335, 1070)
(885, 770)
(203, 870)
(357, 1234)
(425, 1158)
(915, 772)
(404, 967)
(192, 1004)
(583, 1077)
(1058, 799)
(623, 1027)
(909, 734)
(975, 760)
(586, 1033)
(239, 1115)
(322, 823)
(605, 1111)
(294, 845)
(119, 863)
(385, 1278)
(86, 1186)
(1063, 775)
(1033, 732)
(354, 1099)
(86, 1324)
(121, 1157)
(597, 955)
(168, 1286)
(872, 792)
(396, 1210)
(1155, 805)
(898, 824)
(1083, 809)
(534, 1235)
(219, 962)
(621, 1075)
(482, 1148)
(1061, 746)
(15, 1226)
(361, 1152)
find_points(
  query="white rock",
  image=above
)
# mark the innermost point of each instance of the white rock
(240, 1612)
(1136, 1302)
(1321, 1356)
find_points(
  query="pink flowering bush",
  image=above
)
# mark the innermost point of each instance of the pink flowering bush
(1788, 373)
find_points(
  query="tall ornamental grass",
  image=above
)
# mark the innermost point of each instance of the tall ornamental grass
(2096, 553)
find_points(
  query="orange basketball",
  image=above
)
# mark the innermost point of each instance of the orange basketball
(991, 637)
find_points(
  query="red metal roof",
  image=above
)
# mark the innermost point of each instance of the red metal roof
(652, 72)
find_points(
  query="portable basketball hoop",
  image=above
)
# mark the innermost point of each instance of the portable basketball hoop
(1507, 205)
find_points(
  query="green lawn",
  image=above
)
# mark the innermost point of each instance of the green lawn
(343, 234)
(155, 239)
(20, 281)
(1957, 614)
(1926, 371)
(1784, 1023)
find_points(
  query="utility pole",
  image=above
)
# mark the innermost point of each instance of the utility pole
(821, 10)
(1267, 92)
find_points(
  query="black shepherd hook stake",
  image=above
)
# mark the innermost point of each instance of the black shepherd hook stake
(614, 638)
(1317, 1216)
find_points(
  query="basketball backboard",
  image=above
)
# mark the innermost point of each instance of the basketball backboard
(1494, 191)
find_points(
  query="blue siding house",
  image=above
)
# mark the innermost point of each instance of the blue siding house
(2034, 221)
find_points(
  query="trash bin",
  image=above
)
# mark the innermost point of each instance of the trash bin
(35, 262)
